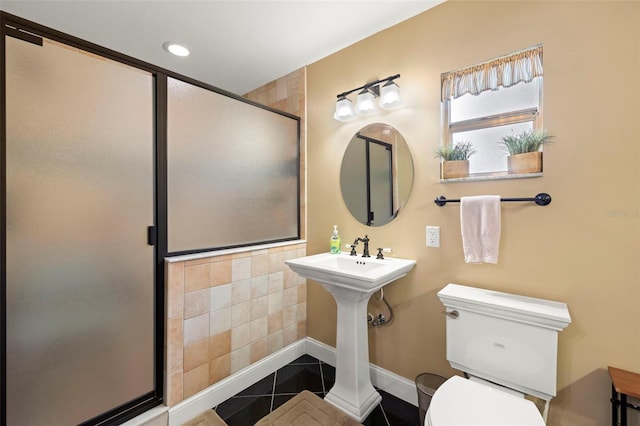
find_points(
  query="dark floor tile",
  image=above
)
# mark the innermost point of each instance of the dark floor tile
(328, 376)
(398, 411)
(400, 421)
(296, 378)
(244, 411)
(231, 406)
(305, 359)
(280, 399)
(376, 418)
(262, 387)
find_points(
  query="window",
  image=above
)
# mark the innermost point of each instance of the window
(483, 103)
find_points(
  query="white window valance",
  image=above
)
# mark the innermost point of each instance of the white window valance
(505, 71)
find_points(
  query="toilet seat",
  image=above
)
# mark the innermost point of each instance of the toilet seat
(460, 402)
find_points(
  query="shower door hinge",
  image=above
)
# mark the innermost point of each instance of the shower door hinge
(152, 235)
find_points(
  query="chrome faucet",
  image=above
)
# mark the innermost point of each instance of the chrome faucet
(365, 252)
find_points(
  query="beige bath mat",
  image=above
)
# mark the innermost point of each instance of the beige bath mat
(208, 418)
(307, 409)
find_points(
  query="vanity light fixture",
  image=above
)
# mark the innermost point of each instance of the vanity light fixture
(389, 95)
(176, 48)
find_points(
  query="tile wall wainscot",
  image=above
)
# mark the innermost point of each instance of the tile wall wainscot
(227, 310)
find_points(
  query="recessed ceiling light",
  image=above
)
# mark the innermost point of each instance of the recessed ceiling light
(176, 48)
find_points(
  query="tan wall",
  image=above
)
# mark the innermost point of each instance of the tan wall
(583, 249)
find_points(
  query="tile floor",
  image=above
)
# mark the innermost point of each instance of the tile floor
(305, 373)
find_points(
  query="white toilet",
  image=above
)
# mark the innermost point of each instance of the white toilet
(507, 347)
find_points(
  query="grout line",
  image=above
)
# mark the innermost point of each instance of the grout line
(324, 391)
(384, 414)
(273, 390)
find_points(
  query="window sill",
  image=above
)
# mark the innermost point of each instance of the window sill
(501, 176)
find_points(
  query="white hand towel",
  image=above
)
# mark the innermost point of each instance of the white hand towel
(480, 226)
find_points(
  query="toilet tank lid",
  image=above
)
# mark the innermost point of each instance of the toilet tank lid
(545, 313)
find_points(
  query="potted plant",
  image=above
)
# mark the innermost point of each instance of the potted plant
(455, 159)
(524, 151)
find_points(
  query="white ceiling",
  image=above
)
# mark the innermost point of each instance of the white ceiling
(237, 45)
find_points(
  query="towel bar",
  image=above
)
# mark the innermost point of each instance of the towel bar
(542, 199)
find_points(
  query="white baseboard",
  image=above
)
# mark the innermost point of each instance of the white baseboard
(396, 385)
(193, 406)
(321, 351)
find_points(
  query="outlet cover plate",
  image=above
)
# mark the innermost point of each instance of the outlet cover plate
(433, 236)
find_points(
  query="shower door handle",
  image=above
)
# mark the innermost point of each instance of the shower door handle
(152, 235)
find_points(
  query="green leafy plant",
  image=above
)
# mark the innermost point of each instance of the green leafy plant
(527, 141)
(460, 151)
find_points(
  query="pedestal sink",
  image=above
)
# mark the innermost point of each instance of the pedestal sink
(352, 280)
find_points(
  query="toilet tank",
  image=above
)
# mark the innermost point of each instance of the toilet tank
(505, 338)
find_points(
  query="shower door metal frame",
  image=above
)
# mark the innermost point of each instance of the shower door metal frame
(13, 26)
(157, 233)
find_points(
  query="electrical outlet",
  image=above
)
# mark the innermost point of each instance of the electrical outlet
(433, 236)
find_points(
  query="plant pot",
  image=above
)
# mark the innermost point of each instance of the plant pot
(455, 169)
(529, 162)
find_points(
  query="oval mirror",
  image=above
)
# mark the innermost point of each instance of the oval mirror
(376, 174)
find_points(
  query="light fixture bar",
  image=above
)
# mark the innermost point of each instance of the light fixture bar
(371, 86)
(388, 94)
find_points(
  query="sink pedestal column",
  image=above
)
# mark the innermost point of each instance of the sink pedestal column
(352, 391)
(351, 281)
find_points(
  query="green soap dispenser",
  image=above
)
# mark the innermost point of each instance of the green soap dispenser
(335, 241)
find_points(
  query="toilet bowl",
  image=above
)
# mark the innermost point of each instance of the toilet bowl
(507, 345)
(460, 401)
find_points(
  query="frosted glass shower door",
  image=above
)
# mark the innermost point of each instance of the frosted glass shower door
(79, 197)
